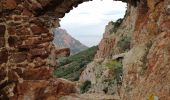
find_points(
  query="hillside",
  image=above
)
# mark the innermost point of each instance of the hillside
(63, 40)
(71, 67)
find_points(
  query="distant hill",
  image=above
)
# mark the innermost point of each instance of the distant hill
(63, 40)
(71, 67)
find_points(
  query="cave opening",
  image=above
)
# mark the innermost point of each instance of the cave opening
(86, 23)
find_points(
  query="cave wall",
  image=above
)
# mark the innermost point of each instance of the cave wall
(27, 55)
(25, 46)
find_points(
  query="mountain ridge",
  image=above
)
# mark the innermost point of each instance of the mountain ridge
(62, 39)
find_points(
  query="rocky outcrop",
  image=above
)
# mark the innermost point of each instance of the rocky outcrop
(116, 39)
(144, 31)
(43, 89)
(146, 64)
(102, 71)
(106, 44)
(101, 78)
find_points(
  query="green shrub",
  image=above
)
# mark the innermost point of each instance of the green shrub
(117, 68)
(116, 25)
(113, 64)
(85, 86)
(124, 43)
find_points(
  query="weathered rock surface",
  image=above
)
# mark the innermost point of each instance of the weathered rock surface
(145, 29)
(25, 46)
(146, 65)
(107, 43)
(102, 77)
(91, 96)
(43, 89)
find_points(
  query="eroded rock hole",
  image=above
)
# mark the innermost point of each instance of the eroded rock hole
(97, 27)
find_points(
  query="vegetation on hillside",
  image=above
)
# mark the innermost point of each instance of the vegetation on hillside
(85, 86)
(116, 25)
(71, 67)
(116, 67)
(124, 43)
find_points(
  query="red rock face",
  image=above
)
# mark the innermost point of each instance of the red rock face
(151, 30)
(146, 65)
(105, 47)
(107, 43)
(43, 89)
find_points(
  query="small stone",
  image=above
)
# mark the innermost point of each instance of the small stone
(10, 4)
(19, 57)
(12, 40)
(11, 30)
(20, 80)
(26, 13)
(2, 42)
(23, 31)
(3, 56)
(39, 53)
(2, 30)
(37, 30)
(17, 18)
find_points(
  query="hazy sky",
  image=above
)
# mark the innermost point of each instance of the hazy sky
(87, 22)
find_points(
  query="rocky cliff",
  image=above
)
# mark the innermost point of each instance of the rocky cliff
(26, 48)
(63, 40)
(105, 71)
(146, 65)
(141, 43)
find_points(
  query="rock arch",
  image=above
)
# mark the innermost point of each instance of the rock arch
(25, 36)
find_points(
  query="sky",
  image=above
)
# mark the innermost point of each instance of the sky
(87, 22)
